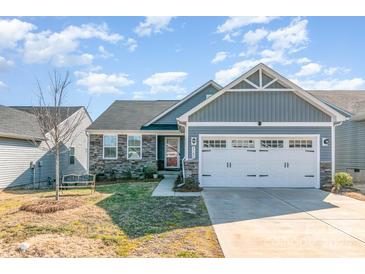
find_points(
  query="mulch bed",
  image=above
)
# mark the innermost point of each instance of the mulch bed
(51, 206)
(347, 191)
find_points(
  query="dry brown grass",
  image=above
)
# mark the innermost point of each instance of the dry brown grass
(51, 206)
(120, 220)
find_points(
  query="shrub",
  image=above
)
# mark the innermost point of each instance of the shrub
(127, 174)
(149, 170)
(342, 179)
(100, 177)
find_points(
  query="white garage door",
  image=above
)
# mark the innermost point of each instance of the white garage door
(259, 162)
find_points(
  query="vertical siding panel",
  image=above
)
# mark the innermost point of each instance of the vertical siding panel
(273, 106)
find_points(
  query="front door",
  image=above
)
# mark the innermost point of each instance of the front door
(172, 151)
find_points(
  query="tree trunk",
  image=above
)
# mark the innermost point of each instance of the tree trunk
(57, 172)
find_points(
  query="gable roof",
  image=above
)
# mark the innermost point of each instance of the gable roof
(190, 95)
(282, 82)
(18, 124)
(65, 112)
(130, 115)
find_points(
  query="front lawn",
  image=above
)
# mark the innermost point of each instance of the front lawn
(119, 220)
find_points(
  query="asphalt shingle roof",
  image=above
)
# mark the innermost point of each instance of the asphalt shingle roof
(352, 101)
(130, 115)
(18, 123)
(64, 111)
(21, 121)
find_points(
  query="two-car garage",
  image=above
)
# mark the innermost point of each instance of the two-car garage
(259, 161)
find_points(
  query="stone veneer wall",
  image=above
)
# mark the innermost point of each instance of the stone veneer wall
(192, 170)
(121, 166)
(326, 173)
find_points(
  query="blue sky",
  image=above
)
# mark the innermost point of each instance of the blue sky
(112, 58)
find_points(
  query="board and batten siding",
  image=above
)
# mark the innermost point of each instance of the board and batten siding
(272, 106)
(170, 118)
(15, 158)
(324, 132)
(350, 145)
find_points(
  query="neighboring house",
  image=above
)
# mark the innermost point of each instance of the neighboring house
(350, 135)
(24, 155)
(261, 130)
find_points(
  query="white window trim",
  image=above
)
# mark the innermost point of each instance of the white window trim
(116, 146)
(140, 146)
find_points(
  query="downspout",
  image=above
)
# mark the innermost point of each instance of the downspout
(87, 152)
(333, 133)
(183, 159)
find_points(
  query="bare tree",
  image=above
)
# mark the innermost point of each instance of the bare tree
(55, 122)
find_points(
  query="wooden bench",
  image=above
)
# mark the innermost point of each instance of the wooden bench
(73, 181)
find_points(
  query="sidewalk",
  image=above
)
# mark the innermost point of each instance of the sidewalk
(165, 188)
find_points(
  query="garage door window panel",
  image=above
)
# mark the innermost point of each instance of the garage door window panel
(243, 143)
(272, 143)
(300, 143)
(214, 143)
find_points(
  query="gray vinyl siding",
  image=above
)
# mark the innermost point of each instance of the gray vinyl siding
(15, 158)
(170, 118)
(350, 145)
(322, 131)
(16, 155)
(273, 106)
(80, 143)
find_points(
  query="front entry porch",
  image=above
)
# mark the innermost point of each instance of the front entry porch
(170, 152)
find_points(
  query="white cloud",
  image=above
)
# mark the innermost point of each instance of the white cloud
(309, 69)
(12, 31)
(303, 60)
(219, 57)
(166, 82)
(332, 84)
(131, 44)
(293, 37)
(5, 64)
(284, 41)
(226, 75)
(333, 70)
(152, 25)
(236, 22)
(50, 46)
(3, 86)
(252, 37)
(104, 53)
(103, 83)
(73, 60)
(138, 95)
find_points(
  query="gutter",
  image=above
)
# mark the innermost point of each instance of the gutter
(19, 136)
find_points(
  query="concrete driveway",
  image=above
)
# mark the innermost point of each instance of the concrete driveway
(284, 222)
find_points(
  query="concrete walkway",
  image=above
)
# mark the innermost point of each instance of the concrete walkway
(165, 188)
(284, 222)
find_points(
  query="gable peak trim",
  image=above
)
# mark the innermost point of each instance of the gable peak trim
(187, 97)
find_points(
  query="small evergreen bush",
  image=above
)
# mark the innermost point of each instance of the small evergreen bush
(342, 179)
